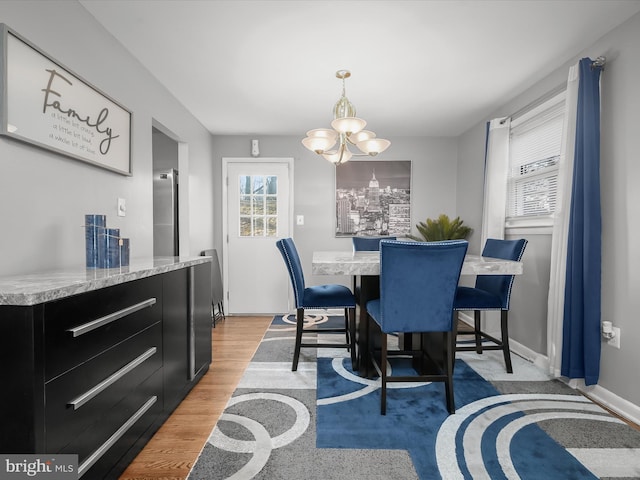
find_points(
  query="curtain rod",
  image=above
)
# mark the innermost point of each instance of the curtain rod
(597, 63)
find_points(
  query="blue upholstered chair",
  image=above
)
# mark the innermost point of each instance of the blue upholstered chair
(492, 292)
(365, 244)
(418, 282)
(368, 244)
(318, 297)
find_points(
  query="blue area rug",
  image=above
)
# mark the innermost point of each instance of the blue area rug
(417, 420)
(324, 422)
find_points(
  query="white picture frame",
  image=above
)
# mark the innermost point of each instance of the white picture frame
(47, 105)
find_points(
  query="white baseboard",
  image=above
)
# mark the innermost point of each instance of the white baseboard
(326, 311)
(613, 402)
(539, 360)
(321, 311)
(598, 394)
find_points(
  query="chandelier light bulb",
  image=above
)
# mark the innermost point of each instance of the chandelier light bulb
(348, 125)
(373, 146)
(319, 144)
(323, 133)
(334, 157)
(360, 136)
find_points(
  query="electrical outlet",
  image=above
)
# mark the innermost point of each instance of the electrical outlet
(615, 341)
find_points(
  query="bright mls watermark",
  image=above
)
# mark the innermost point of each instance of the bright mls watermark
(50, 467)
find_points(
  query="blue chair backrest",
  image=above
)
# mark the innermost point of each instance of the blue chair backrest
(418, 282)
(500, 284)
(294, 267)
(368, 244)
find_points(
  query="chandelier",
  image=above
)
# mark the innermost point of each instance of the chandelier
(346, 130)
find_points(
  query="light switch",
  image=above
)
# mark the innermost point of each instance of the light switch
(300, 220)
(122, 207)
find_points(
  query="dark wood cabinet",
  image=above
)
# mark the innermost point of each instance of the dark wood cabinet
(175, 337)
(96, 374)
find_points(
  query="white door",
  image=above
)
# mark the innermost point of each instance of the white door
(258, 213)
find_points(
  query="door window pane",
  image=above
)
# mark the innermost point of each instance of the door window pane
(245, 185)
(272, 226)
(245, 205)
(272, 205)
(258, 227)
(258, 205)
(272, 185)
(258, 185)
(245, 227)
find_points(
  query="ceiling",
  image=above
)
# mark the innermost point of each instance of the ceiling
(425, 68)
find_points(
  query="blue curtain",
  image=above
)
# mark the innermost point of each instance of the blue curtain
(582, 304)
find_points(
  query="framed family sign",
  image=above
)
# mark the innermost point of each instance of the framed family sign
(47, 105)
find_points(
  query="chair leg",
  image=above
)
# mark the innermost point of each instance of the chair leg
(346, 325)
(352, 338)
(504, 317)
(299, 328)
(453, 340)
(454, 337)
(477, 326)
(449, 358)
(368, 350)
(383, 375)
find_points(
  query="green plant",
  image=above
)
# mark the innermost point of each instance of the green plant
(443, 228)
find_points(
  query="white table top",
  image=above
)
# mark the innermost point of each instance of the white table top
(368, 263)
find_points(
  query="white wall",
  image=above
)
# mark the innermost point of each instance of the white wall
(44, 195)
(433, 190)
(620, 195)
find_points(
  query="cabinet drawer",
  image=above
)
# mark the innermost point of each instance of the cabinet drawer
(81, 327)
(117, 430)
(77, 400)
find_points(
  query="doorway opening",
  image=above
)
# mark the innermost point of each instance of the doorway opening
(166, 225)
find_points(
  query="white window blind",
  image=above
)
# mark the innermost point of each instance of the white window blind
(534, 156)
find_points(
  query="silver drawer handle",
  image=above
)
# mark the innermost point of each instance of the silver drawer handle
(112, 317)
(95, 456)
(77, 402)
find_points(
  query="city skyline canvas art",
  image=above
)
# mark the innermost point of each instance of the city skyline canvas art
(373, 198)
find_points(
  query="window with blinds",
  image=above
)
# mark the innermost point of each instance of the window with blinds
(534, 156)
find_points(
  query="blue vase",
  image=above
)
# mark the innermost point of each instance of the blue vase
(124, 252)
(94, 226)
(109, 248)
(113, 247)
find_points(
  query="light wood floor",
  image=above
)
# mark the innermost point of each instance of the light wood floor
(173, 450)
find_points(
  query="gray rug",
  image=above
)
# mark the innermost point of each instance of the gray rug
(268, 430)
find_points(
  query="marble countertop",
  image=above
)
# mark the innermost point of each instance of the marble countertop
(34, 288)
(368, 263)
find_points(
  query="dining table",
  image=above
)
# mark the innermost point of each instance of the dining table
(364, 266)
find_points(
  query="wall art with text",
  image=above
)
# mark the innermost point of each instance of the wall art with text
(45, 104)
